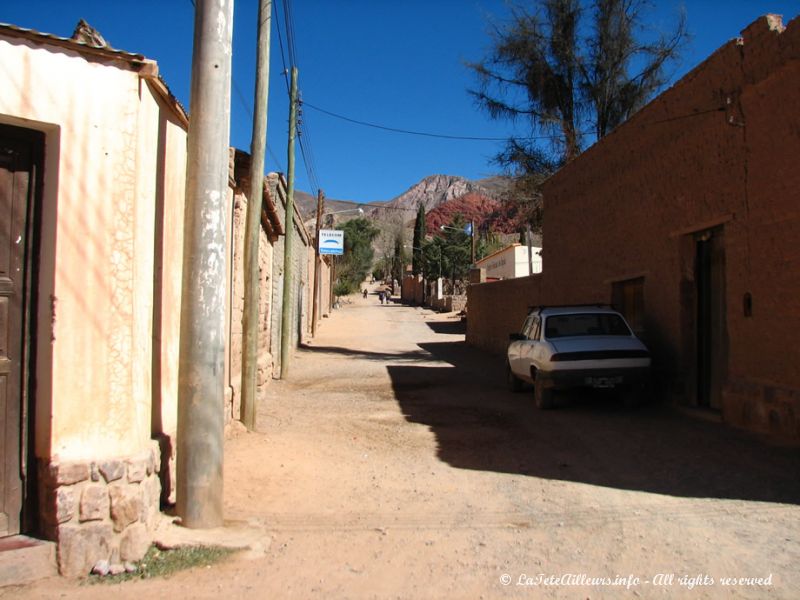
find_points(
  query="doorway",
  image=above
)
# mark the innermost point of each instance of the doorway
(21, 152)
(710, 329)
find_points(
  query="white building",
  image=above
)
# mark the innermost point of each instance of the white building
(511, 262)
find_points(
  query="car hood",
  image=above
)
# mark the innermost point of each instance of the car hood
(596, 342)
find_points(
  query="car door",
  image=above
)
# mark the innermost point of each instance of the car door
(515, 347)
(528, 348)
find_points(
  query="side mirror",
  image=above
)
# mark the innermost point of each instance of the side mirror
(517, 337)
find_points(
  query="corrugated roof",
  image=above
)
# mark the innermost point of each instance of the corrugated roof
(146, 68)
(31, 34)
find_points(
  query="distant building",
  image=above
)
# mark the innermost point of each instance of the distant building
(511, 262)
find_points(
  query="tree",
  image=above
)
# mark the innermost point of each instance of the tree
(358, 254)
(568, 80)
(419, 238)
(448, 254)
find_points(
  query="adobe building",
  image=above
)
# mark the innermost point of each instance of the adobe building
(511, 261)
(92, 185)
(92, 169)
(687, 218)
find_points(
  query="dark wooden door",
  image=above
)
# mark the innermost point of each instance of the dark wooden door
(18, 147)
(711, 336)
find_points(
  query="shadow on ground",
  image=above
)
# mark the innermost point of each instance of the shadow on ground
(451, 327)
(593, 439)
(419, 355)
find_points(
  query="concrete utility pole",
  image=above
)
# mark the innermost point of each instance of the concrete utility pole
(288, 267)
(317, 292)
(202, 346)
(252, 231)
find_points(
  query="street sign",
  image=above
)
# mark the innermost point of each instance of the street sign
(331, 241)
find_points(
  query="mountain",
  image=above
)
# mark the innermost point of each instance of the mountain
(396, 215)
(307, 205)
(437, 189)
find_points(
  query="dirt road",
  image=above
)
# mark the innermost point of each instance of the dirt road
(393, 463)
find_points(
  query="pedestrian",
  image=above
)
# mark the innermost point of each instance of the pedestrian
(364, 293)
(380, 296)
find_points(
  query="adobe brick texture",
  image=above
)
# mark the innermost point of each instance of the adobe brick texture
(717, 151)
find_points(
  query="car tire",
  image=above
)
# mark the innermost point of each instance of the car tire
(514, 382)
(543, 397)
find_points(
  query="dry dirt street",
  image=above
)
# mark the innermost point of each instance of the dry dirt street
(394, 464)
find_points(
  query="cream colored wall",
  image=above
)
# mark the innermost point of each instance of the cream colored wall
(174, 185)
(102, 284)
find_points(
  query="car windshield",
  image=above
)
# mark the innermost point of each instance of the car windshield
(585, 324)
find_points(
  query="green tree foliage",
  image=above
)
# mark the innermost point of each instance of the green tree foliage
(566, 79)
(354, 265)
(449, 253)
(419, 238)
(570, 68)
(399, 259)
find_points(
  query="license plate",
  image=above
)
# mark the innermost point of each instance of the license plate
(603, 382)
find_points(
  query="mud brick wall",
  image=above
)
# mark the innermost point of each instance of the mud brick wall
(455, 303)
(498, 308)
(264, 374)
(100, 510)
(716, 152)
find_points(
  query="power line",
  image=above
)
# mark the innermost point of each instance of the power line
(246, 106)
(477, 138)
(373, 205)
(243, 102)
(303, 135)
(422, 133)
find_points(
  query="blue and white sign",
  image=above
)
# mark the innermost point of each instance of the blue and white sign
(331, 241)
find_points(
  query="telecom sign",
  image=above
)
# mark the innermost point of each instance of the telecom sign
(331, 241)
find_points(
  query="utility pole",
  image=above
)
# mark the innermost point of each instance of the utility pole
(252, 231)
(288, 267)
(202, 345)
(472, 235)
(530, 250)
(317, 293)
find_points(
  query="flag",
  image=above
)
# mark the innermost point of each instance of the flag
(468, 228)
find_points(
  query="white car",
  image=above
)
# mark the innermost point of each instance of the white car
(562, 347)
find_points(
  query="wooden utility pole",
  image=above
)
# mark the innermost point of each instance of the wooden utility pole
(472, 235)
(530, 250)
(202, 344)
(288, 267)
(252, 231)
(317, 293)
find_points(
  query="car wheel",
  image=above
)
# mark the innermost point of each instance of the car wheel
(543, 397)
(514, 382)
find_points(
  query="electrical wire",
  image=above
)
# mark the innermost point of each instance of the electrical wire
(303, 131)
(420, 133)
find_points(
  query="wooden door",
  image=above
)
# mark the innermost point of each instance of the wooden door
(710, 318)
(18, 147)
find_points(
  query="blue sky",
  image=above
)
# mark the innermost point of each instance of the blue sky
(395, 63)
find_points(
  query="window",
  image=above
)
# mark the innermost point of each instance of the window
(531, 327)
(534, 332)
(584, 324)
(526, 327)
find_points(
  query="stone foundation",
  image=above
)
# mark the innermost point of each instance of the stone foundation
(101, 510)
(449, 303)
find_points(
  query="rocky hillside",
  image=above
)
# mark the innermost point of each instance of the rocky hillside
(435, 190)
